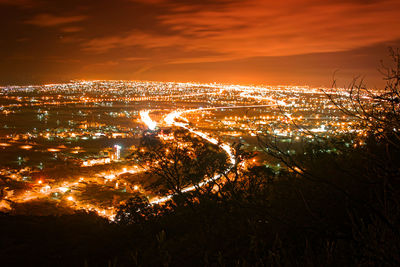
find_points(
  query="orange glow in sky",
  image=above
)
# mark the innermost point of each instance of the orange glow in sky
(235, 41)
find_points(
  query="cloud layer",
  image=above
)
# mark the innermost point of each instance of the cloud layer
(49, 20)
(249, 28)
(186, 32)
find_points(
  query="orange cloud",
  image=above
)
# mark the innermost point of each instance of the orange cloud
(134, 38)
(194, 39)
(251, 28)
(48, 20)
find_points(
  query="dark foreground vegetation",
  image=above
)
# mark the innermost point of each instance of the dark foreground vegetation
(330, 205)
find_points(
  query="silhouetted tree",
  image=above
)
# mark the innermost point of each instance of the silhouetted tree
(363, 180)
(183, 161)
(136, 210)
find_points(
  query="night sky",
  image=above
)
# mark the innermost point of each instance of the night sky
(230, 41)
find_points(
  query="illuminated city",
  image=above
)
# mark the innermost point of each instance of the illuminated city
(207, 133)
(63, 141)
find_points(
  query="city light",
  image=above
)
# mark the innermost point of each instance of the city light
(144, 115)
(218, 114)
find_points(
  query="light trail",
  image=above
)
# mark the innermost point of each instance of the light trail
(170, 119)
(144, 116)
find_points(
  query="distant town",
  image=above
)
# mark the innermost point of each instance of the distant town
(71, 143)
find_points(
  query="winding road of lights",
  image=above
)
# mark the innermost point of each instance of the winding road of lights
(170, 120)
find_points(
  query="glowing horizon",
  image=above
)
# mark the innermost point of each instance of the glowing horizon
(239, 41)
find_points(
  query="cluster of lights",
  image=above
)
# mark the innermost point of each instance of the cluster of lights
(191, 106)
